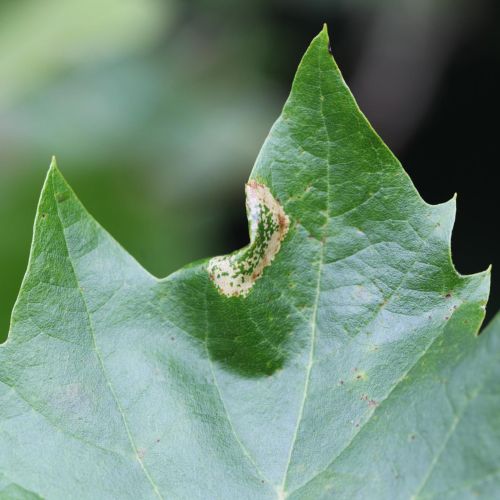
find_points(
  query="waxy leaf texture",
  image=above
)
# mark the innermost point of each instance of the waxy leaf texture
(335, 357)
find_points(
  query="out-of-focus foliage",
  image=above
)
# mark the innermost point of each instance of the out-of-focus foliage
(40, 39)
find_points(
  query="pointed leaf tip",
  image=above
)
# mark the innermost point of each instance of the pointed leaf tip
(53, 163)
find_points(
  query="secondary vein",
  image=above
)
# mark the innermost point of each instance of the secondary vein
(101, 363)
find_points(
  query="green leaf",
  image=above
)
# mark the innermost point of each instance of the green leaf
(335, 356)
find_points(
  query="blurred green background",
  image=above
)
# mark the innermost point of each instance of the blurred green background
(156, 111)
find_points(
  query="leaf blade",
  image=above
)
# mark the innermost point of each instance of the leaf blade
(268, 394)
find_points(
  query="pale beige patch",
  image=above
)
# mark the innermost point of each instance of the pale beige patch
(234, 275)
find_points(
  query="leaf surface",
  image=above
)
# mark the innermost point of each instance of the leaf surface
(348, 365)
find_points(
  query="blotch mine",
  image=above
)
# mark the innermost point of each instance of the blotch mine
(234, 275)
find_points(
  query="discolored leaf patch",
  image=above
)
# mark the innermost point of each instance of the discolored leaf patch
(235, 274)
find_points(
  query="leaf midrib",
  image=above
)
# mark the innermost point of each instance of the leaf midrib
(328, 164)
(314, 314)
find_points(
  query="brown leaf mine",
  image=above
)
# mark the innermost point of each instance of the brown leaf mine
(235, 274)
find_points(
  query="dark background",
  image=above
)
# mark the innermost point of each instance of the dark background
(156, 111)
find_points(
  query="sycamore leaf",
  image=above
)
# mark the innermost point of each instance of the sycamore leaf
(335, 356)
